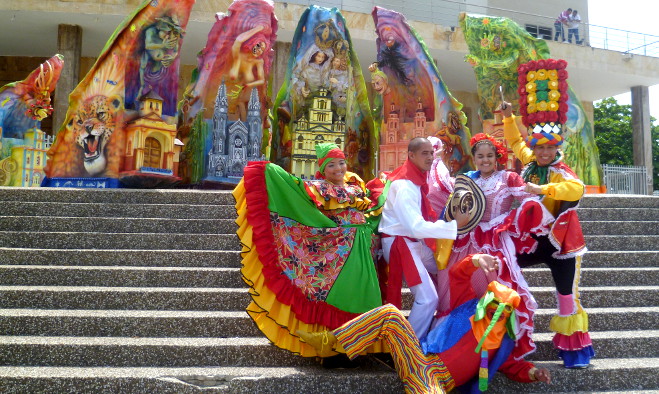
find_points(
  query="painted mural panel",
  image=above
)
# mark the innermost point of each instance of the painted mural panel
(497, 46)
(134, 81)
(229, 91)
(23, 105)
(412, 99)
(323, 98)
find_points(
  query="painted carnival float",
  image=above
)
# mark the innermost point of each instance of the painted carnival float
(411, 98)
(224, 111)
(121, 121)
(497, 46)
(23, 105)
(323, 99)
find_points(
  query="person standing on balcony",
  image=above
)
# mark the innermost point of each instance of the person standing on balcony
(573, 27)
(562, 19)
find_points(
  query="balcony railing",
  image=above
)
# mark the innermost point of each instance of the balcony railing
(445, 13)
(625, 179)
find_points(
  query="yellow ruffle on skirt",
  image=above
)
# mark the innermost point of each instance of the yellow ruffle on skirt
(568, 325)
(275, 320)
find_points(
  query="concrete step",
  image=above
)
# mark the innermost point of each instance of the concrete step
(124, 298)
(213, 298)
(78, 240)
(173, 211)
(635, 375)
(608, 214)
(53, 275)
(120, 257)
(622, 243)
(619, 227)
(647, 276)
(617, 259)
(619, 201)
(117, 225)
(224, 324)
(244, 351)
(121, 196)
(126, 323)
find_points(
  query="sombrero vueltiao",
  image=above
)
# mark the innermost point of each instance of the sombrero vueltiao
(468, 198)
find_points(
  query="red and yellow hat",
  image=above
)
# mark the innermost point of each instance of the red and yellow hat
(543, 95)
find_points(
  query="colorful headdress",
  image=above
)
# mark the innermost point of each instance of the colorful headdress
(501, 151)
(325, 152)
(543, 100)
(507, 300)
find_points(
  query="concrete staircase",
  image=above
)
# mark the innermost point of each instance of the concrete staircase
(140, 291)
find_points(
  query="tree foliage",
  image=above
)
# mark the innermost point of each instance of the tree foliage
(613, 134)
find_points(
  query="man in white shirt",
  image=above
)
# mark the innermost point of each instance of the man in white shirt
(573, 27)
(408, 219)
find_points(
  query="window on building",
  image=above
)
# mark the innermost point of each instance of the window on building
(322, 104)
(337, 141)
(300, 142)
(539, 31)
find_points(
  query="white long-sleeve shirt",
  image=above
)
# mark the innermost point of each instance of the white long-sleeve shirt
(401, 214)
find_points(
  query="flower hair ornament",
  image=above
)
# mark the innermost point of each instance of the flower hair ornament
(543, 99)
(501, 151)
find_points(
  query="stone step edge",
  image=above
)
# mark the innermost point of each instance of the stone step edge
(100, 233)
(126, 250)
(121, 268)
(640, 270)
(17, 340)
(245, 289)
(651, 363)
(184, 314)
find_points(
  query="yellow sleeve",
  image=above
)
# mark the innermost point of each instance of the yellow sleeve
(562, 189)
(515, 141)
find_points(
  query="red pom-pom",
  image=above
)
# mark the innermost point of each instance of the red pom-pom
(522, 68)
(521, 79)
(563, 98)
(542, 64)
(552, 116)
(562, 118)
(532, 65)
(562, 75)
(551, 64)
(522, 110)
(562, 107)
(522, 91)
(561, 64)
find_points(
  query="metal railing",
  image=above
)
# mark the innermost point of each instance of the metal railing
(625, 179)
(445, 13)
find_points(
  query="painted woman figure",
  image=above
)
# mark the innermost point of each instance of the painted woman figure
(310, 75)
(500, 230)
(306, 248)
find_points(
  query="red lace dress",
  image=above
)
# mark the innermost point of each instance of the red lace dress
(502, 232)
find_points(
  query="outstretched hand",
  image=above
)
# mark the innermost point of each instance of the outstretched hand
(543, 375)
(532, 188)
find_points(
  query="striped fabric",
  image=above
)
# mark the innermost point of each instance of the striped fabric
(419, 372)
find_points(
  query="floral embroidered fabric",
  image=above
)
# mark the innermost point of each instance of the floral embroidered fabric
(311, 257)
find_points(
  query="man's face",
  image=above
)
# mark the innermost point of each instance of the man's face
(545, 154)
(422, 158)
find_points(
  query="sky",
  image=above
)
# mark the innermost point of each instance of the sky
(632, 15)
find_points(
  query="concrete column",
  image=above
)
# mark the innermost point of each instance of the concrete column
(641, 131)
(279, 66)
(69, 44)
